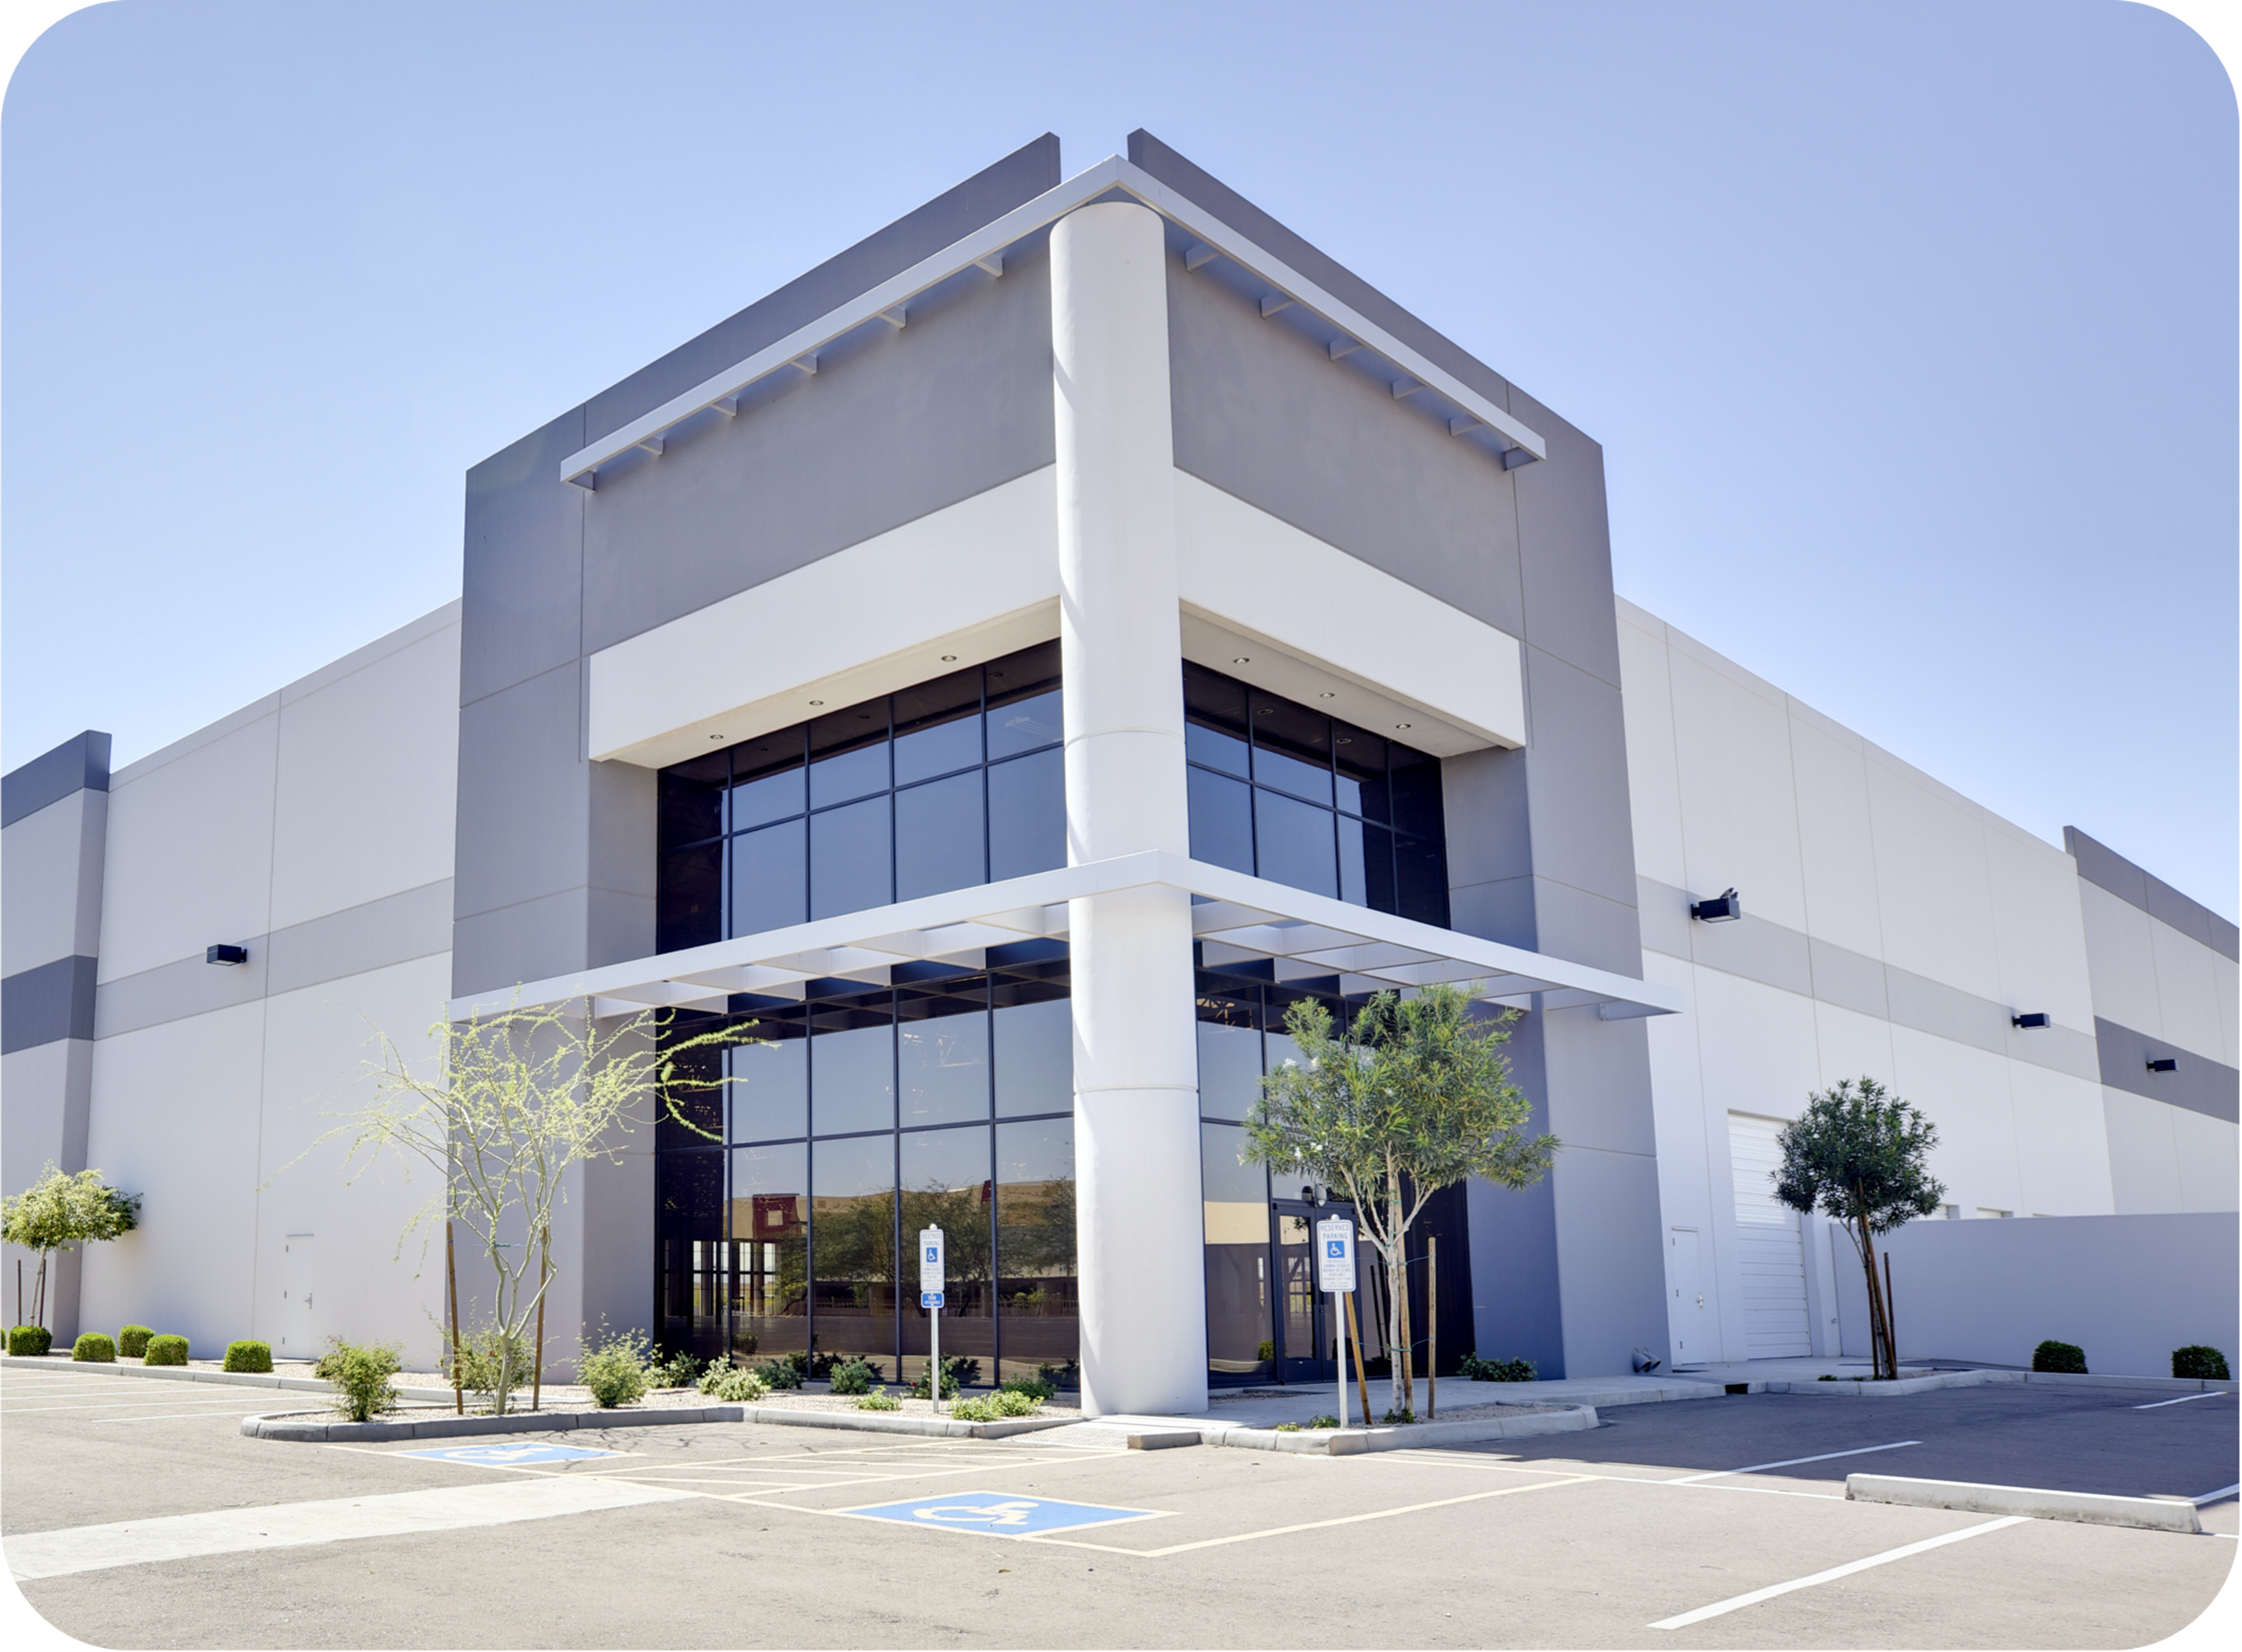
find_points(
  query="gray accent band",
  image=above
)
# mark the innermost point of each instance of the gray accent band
(2106, 869)
(53, 1001)
(396, 929)
(2199, 1083)
(78, 763)
(1776, 956)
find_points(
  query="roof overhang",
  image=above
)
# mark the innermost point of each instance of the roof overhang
(1238, 918)
(1465, 410)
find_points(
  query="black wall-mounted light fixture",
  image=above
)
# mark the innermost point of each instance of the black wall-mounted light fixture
(1721, 909)
(2164, 1064)
(225, 953)
(2037, 1018)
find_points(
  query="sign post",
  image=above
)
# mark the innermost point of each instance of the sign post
(929, 1297)
(1335, 1274)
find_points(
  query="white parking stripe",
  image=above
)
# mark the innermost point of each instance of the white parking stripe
(2214, 1496)
(1683, 1621)
(235, 1400)
(1786, 1462)
(2213, 1394)
(90, 1548)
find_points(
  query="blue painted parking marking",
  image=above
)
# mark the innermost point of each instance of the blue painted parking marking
(995, 1513)
(511, 1456)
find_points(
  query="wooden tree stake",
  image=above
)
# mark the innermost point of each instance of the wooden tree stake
(451, 1276)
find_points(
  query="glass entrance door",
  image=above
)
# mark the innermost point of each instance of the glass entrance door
(1304, 1327)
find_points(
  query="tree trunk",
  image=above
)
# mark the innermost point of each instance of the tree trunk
(39, 1292)
(1879, 1330)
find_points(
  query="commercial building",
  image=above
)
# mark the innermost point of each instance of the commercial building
(1010, 663)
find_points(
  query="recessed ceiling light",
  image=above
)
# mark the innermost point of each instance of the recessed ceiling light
(715, 736)
(1328, 694)
(947, 658)
(1400, 725)
(1242, 658)
(817, 702)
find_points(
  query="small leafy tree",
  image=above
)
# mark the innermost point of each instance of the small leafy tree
(520, 1098)
(1415, 1096)
(1858, 1154)
(58, 1212)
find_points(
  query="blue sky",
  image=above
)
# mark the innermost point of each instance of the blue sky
(1910, 330)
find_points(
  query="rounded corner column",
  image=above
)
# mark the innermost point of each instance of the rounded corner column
(1135, 1064)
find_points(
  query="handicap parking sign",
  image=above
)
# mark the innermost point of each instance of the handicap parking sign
(995, 1513)
(511, 1456)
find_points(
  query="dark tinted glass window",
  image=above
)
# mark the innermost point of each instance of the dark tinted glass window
(852, 1065)
(941, 1052)
(1032, 1047)
(770, 877)
(1332, 808)
(938, 727)
(689, 910)
(939, 844)
(849, 755)
(770, 1236)
(849, 850)
(769, 1091)
(1038, 1291)
(767, 781)
(692, 798)
(852, 1207)
(1027, 815)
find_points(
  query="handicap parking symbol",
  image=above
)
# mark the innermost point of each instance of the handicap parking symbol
(995, 1513)
(511, 1456)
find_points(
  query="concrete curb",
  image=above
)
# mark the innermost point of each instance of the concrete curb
(1348, 1442)
(304, 1427)
(179, 1373)
(1978, 1379)
(2155, 1513)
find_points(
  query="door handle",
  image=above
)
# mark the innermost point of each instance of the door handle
(1700, 1299)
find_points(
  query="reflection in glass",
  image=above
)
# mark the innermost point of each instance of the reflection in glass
(852, 1065)
(766, 779)
(938, 727)
(1295, 844)
(770, 1080)
(1221, 820)
(946, 1184)
(849, 754)
(1027, 815)
(852, 1210)
(769, 871)
(688, 1224)
(1229, 1060)
(1037, 1285)
(692, 798)
(1023, 724)
(849, 868)
(690, 910)
(938, 839)
(689, 1111)
(770, 1259)
(1035, 1048)
(1237, 1218)
(941, 1052)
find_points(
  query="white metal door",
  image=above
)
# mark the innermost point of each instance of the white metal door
(1685, 1304)
(296, 1298)
(1770, 1245)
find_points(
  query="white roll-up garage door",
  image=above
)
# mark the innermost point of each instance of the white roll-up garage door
(1770, 1245)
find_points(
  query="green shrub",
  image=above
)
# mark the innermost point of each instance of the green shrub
(30, 1341)
(1267, 1350)
(479, 1359)
(133, 1340)
(2067, 1357)
(362, 1373)
(165, 1350)
(678, 1370)
(615, 1369)
(1826, 1377)
(979, 1409)
(878, 1400)
(1288, 1428)
(1403, 1415)
(855, 1377)
(1013, 1403)
(1035, 1387)
(734, 1385)
(97, 1347)
(779, 1374)
(958, 1371)
(1471, 1368)
(1324, 1422)
(248, 1355)
(2201, 1361)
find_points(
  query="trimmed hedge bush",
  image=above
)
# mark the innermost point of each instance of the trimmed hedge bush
(2063, 1357)
(166, 1350)
(133, 1340)
(97, 1348)
(734, 1384)
(2199, 1360)
(248, 1356)
(1471, 1368)
(32, 1341)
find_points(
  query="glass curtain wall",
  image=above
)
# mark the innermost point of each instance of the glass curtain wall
(790, 1196)
(1288, 794)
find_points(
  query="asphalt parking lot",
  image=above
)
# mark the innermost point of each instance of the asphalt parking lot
(134, 1519)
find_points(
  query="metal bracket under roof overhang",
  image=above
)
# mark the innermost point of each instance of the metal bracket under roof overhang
(985, 247)
(1236, 918)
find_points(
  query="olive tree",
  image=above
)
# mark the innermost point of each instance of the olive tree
(60, 1211)
(518, 1099)
(1858, 1154)
(1414, 1097)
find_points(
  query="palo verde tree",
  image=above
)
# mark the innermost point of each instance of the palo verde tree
(1415, 1096)
(518, 1099)
(58, 1211)
(1858, 1154)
